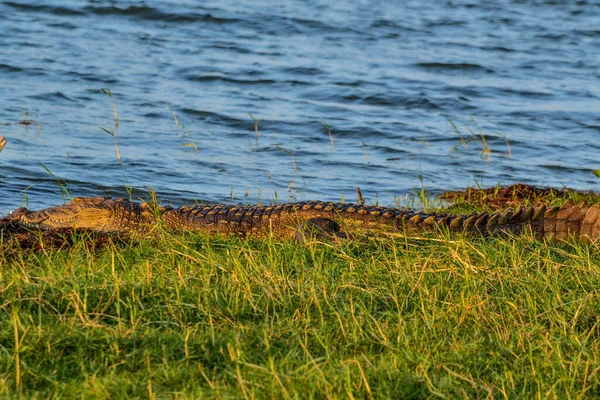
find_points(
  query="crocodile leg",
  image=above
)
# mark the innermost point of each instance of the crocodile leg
(319, 228)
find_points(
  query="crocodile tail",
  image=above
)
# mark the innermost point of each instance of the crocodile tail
(572, 221)
(511, 221)
(590, 225)
(569, 221)
(487, 224)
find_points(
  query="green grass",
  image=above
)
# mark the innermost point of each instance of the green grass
(379, 317)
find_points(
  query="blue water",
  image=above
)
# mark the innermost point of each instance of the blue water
(382, 80)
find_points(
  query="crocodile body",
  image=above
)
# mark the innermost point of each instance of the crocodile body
(294, 220)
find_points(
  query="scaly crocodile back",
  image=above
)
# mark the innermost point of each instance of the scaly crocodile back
(577, 221)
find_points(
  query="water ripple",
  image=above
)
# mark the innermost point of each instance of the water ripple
(43, 9)
(441, 67)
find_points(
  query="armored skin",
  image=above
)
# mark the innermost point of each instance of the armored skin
(295, 220)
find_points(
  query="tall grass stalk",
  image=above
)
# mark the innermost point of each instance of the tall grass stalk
(328, 129)
(174, 115)
(291, 153)
(108, 92)
(255, 121)
(62, 184)
(112, 133)
(479, 137)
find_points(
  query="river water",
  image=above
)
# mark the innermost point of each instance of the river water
(245, 101)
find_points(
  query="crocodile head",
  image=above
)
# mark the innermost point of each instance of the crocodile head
(97, 213)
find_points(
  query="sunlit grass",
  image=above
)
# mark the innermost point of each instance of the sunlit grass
(475, 134)
(388, 316)
(255, 122)
(112, 131)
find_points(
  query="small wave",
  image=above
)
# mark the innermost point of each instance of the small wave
(313, 24)
(593, 33)
(594, 127)
(502, 49)
(230, 47)
(212, 71)
(56, 10)
(526, 93)
(10, 68)
(228, 79)
(153, 115)
(453, 67)
(500, 21)
(444, 22)
(93, 78)
(51, 96)
(153, 14)
(301, 26)
(64, 25)
(404, 102)
(303, 70)
(28, 71)
(399, 153)
(387, 24)
(355, 83)
(218, 119)
(375, 100)
(552, 36)
(570, 168)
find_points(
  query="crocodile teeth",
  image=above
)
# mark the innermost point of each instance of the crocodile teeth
(62, 220)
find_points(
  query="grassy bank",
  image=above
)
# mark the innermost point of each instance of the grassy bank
(387, 316)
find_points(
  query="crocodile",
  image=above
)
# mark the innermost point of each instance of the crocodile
(296, 220)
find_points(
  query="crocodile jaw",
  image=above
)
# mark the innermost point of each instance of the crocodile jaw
(79, 213)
